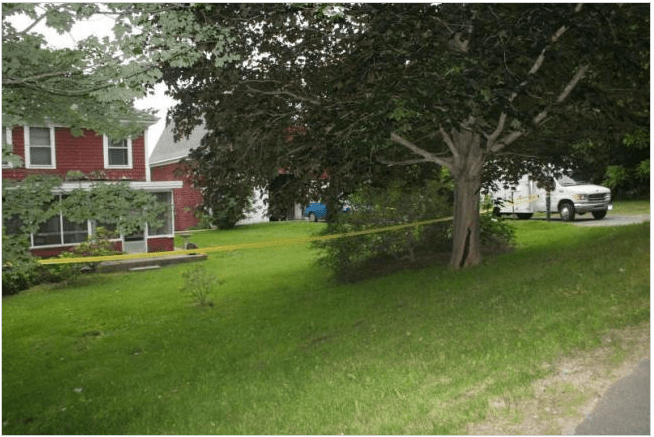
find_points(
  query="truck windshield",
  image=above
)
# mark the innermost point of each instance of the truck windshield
(567, 181)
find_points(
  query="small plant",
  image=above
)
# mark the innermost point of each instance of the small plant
(199, 283)
(75, 175)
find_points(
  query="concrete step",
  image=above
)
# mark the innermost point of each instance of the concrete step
(151, 262)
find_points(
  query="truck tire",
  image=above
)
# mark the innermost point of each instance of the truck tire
(567, 211)
(524, 215)
(599, 215)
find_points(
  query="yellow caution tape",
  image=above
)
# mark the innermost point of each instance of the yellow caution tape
(262, 244)
(521, 200)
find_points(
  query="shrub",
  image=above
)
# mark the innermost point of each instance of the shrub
(371, 208)
(99, 244)
(497, 234)
(19, 268)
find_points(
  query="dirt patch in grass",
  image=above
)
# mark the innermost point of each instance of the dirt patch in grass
(561, 401)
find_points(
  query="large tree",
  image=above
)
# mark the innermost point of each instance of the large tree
(480, 89)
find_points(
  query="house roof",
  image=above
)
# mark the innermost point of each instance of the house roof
(168, 151)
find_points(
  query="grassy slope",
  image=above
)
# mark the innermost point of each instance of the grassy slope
(285, 350)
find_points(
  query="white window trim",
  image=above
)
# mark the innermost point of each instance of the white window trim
(105, 146)
(53, 154)
(9, 140)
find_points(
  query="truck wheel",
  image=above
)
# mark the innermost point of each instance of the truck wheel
(312, 217)
(567, 211)
(524, 215)
(599, 215)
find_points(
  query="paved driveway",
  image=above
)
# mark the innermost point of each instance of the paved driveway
(611, 220)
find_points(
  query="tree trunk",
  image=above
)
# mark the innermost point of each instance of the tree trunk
(466, 240)
(468, 164)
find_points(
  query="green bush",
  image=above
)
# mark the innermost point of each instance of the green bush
(99, 244)
(19, 268)
(497, 235)
(356, 257)
(374, 207)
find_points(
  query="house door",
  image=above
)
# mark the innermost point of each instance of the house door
(135, 243)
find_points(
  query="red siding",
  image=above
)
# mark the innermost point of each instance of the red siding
(161, 244)
(187, 199)
(84, 153)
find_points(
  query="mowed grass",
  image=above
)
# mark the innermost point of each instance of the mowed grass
(285, 350)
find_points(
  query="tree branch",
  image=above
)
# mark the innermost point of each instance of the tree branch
(407, 162)
(490, 139)
(20, 81)
(287, 93)
(541, 58)
(450, 143)
(418, 151)
(540, 117)
(31, 26)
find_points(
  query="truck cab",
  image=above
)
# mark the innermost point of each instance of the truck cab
(567, 197)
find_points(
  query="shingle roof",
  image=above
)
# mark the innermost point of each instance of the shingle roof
(168, 151)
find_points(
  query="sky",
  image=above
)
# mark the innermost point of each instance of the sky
(101, 26)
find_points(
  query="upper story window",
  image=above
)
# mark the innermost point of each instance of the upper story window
(7, 139)
(39, 147)
(117, 153)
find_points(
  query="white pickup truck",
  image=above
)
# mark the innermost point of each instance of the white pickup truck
(568, 198)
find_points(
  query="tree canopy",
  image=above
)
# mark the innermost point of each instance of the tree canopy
(93, 85)
(482, 89)
(470, 87)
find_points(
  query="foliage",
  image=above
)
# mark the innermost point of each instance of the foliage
(116, 204)
(376, 207)
(622, 165)
(99, 244)
(475, 88)
(199, 283)
(19, 267)
(93, 84)
(497, 234)
(25, 207)
(27, 204)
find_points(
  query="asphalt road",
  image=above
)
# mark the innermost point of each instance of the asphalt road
(624, 409)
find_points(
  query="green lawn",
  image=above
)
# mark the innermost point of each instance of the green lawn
(285, 350)
(631, 207)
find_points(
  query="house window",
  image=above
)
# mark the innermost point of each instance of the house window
(166, 216)
(117, 153)
(7, 139)
(59, 230)
(49, 233)
(39, 147)
(109, 229)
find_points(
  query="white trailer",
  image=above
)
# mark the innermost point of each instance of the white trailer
(568, 198)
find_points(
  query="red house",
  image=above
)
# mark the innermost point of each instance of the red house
(165, 166)
(82, 161)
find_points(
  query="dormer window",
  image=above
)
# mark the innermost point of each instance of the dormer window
(117, 153)
(39, 147)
